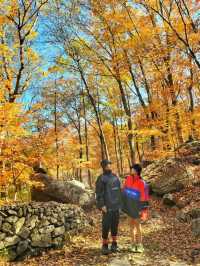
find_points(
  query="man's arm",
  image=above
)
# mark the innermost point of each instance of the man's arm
(100, 193)
(124, 183)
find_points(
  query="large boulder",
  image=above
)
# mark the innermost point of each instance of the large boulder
(189, 152)
(50, 189)
(173, 174)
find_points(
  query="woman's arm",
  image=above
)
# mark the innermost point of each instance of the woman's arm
(144, 199)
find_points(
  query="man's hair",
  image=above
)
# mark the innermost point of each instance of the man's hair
(137, 167)
(105, 162)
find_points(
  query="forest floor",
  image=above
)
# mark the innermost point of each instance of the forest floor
(167, 243)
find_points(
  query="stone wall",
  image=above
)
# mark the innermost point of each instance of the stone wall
(29, 229)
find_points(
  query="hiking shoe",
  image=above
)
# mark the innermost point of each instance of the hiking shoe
(105, 250)
(114, 247)
(133, 248)
(139, 248)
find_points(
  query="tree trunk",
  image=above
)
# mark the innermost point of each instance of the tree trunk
(86, 140)
(115, 144)
(80, 155)
(121, 156)
(56, 133)
(129, 122)
(193, 134)
(104, 148)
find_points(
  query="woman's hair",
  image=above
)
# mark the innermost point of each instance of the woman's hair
(137, 168)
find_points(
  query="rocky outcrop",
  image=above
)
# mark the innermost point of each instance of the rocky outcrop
(29, 229)
(189, 152)
(173, 174)
(193, 217)
(73, 191)
(196, 227)
(189, 215)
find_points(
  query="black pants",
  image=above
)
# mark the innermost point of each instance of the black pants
(110, 222)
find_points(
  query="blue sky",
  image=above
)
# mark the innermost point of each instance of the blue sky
(47, 52)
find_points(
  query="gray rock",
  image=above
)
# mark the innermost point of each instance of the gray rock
(53, 220)
(169, 200)
(173, 174)
(194, 213)
(25, 210)
(54, 215)
(35, 237)
(62, 191)
(78, 221)
(181, 203)
(49, 213)
(41, 240)
(12, 212)
(11, 241)
(19, 224)
(2, 245)
(22, 247)
(30, 210)
(6, 227)
(67, 226)
(188, 216)
(20, 212)
(24, 233)
(59, 231)
(41, 215)
(196, 227)
(58, 241)
(44, 222)
(32, 221)
(182, 217)
(12, 255)
(11, 219)
(48, 229)
(2, 236)
(155, 214)
(1, 220)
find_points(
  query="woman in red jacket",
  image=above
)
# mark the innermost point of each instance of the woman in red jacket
(136, 197)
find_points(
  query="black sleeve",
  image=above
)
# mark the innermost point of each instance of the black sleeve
(99, 193)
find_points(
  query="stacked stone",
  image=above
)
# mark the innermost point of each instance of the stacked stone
(28, 229)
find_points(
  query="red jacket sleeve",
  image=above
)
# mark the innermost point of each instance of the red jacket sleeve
(142, 191)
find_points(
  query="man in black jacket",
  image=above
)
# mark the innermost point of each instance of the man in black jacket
(108, 199)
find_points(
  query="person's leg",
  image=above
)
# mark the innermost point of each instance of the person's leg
(138, 231)
(114, 229)
(106, 224)
(138, 228)
(133, 233)
(114, 224)
(132, 230)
